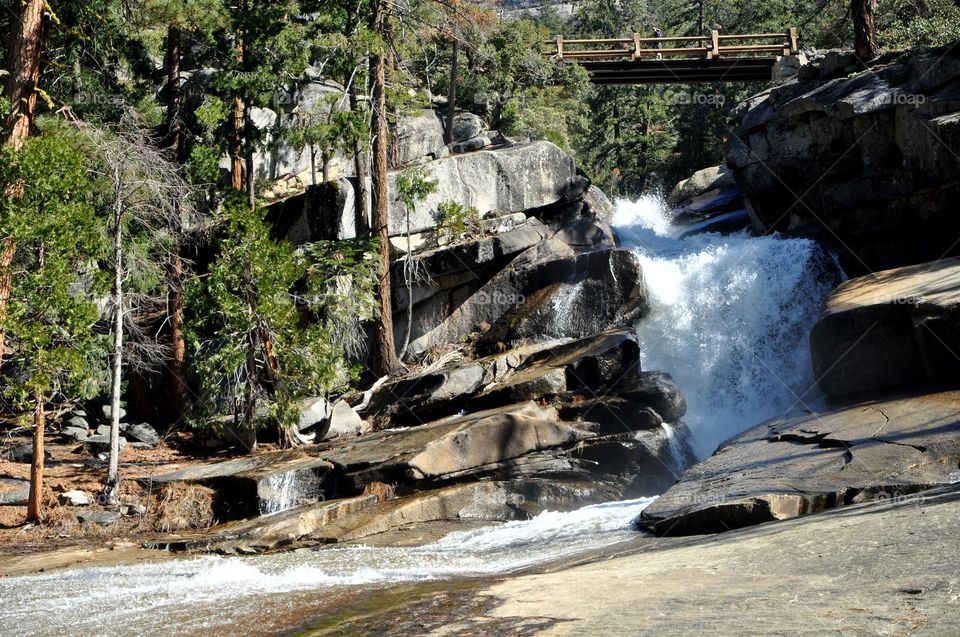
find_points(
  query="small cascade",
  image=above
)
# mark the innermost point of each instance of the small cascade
(280, 492)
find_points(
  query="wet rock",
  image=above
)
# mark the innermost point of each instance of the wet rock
(587, 234)
(14, 491)
(274, 531)
(700, 182)
(547, 292)
(598, 363)
(455, 445)
(794, 466)
(893, 328)
(570, 298)
(724, 223)
(75, 498)
(657, 390)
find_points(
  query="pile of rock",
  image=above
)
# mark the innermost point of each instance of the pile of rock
(91, 428)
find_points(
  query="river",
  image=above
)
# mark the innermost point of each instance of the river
(729, 320)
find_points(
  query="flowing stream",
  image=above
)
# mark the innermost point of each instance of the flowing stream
(729, 320)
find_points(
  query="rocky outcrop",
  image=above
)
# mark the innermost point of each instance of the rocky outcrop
(893, 328)
(510, 179)
(793, 466)
(867, 161)
(544, 294)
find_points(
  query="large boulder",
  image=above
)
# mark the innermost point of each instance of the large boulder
(510, 179)
(14, 491)
(419, 138)
(867, 160)
(457, 445)
(550, 291)
(896, 327)
(795, 466)
(700, 182)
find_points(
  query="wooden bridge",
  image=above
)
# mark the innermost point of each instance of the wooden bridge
(678, 59)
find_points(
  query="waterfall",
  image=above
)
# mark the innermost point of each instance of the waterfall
(279, 492)
(730, 318)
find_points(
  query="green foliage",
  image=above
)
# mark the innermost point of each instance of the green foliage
(251, 339)
(907, 24)
(458, 220)
(413, 185)
(47, 212)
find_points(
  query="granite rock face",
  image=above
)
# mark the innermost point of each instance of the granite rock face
(868, 160)
(894, 328)
(788, 467)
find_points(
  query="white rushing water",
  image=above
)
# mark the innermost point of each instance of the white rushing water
(192, 596)
(730, 318)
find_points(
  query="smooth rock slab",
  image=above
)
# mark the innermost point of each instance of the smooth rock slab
(789, 467)
(896, 327)
(454, 445)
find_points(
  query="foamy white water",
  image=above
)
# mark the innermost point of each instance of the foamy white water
(210, 593)
(730, 318)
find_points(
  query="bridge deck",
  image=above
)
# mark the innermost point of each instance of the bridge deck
(680, 71)
(677, 59)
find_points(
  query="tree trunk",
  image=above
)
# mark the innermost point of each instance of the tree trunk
(112, 489)
(35, 500)
(239, 114)
(6, 287)
(24, 73)
(174, 94)
(236, 145)
(386, 361)
(178, 343)
(864, 33)
(452, 93)
(361, 222)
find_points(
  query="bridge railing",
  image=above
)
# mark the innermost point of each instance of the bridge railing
(714, 46)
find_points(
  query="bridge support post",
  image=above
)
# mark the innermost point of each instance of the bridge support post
(636, 47)
(794, 49)
(714, 45)
(559, 40)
